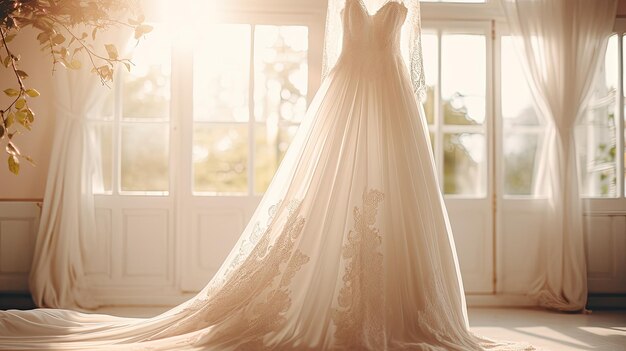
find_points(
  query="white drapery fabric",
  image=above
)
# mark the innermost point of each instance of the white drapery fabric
(561, 43)
(66, 231)
(67, 219)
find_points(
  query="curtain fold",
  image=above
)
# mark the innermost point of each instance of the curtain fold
(67, 219)
(67, 228)
(561, 44)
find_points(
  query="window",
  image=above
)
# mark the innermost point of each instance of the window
(596, 135)
(243, 126)
(135, 131)
(522, 129)
(249, 86)
(456, 108)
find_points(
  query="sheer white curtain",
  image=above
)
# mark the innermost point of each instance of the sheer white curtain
(67, 226)
(67, 218)
(561, 43)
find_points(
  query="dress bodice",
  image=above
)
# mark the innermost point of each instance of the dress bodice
(372, 34)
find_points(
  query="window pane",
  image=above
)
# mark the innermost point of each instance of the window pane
(221, 73)
(430, 49)
(103, 180)
(463, 78)
(464, 164)
(522, 132)
(271, 143)
(281, 72)
(145, 157)
(596, 134)
(146, 88)
(220, 158)
(521, 162)
(517, 101)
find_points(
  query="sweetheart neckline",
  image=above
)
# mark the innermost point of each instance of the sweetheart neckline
(367, 13)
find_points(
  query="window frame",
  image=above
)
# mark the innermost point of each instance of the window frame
(181, 121)
(615, 204)
(438, 127)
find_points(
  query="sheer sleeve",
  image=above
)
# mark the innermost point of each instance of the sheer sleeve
(333, 35)
(411, 39)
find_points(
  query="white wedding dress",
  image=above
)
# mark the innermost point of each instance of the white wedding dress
(350, 248)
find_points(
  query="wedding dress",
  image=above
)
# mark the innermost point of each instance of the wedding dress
(350, 248)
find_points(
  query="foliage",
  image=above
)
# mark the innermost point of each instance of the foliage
(57, 23)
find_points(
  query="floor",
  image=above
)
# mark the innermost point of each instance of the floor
(602, 330)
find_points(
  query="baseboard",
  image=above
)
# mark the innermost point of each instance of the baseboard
(23, 301)
(606, 301)
(16, 301)
(498, 300)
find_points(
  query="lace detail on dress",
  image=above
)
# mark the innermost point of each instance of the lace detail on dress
(253, 239)
(270, 313)
(360, 315)
(245, 248)
(248, 291)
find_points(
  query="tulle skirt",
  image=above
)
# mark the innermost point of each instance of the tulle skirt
(349, 249)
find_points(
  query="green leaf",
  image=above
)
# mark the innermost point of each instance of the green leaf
(10, 120)
(9, 37)
(112, 51)
(43, 37)
(1, 131)
(58, 39)
(142, 29)
(76, 64)
(32, 92)
(127, 66)
(30, 116)
(11, 92)
(19, 104)
(22, 74)
(12, 149)
(7, 61)
(14, 164)
(21, 118)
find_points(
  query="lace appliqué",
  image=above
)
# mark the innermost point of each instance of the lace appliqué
(359, 317)
(269, 312)
(247, 295)
(245, 248)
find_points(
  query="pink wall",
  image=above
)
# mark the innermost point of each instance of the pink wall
(30, 183)
(621, 8)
